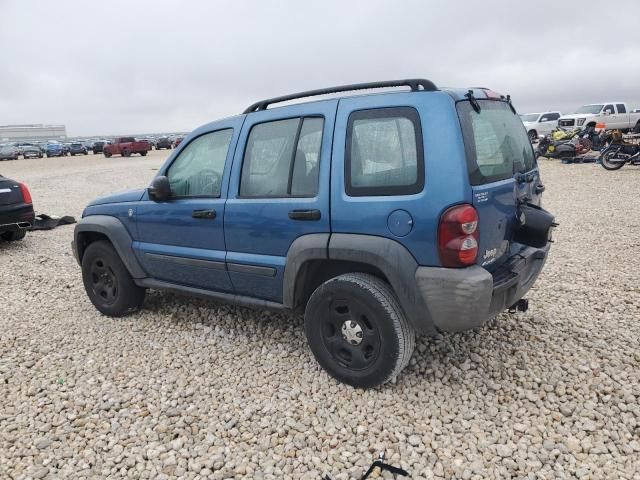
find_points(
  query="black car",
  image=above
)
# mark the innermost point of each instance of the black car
(98, 146)
(16, 209)
(164, 142)
(31, 151)
(77, 149)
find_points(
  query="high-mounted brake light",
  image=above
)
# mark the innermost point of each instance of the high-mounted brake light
(490, 93)
(26, 196)
(458, 236)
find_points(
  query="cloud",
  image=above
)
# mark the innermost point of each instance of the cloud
(145, 66)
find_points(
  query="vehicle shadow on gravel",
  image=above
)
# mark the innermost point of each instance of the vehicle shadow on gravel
(484, 355)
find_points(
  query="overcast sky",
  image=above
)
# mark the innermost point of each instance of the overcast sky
(148, 66)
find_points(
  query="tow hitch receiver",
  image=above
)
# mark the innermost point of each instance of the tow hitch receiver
(521, 305)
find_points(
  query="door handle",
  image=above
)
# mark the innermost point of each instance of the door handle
(304, 214)
(207, 214)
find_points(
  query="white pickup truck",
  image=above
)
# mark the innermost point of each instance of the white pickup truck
(614, 115)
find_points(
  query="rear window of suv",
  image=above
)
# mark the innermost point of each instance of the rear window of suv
(496, 142)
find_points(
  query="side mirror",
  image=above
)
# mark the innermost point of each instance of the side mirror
(159, 190)
(607, 112)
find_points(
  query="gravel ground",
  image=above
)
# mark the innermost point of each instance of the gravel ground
(193, 389)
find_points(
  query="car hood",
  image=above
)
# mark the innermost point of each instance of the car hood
(528, 125)
(119, 197)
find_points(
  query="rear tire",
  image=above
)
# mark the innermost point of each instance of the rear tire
(357, 331)
(108, 282)
(609, 165)
(13, 236)
(636, 129)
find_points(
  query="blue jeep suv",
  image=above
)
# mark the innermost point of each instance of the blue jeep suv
(379, 216)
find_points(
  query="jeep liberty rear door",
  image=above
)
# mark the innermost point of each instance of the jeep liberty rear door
(278, 192)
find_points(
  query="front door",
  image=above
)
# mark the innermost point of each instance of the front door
(279, 191)
(182, 240)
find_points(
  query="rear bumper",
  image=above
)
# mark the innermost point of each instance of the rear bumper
(16, 217)
(465, 298)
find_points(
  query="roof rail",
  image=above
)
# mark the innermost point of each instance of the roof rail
(416, 84)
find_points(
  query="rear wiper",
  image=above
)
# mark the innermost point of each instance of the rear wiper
(473, 101)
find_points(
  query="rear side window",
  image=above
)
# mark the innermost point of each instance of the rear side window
(621, 108)
(384, 153)
(282, 158)
(496, 143)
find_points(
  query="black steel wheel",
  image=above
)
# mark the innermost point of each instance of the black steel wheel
(357, 330)
(108, 282)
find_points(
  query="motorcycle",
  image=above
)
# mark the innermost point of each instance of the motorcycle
(617, 154)
(566, 143)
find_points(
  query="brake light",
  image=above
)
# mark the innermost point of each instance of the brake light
(458, 236)
(26, 196)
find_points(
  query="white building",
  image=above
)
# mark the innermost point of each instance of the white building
(34, 132)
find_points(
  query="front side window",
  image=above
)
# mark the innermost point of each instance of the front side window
(496, 143)
(198, 170)
(282, 158)
(384, 154)
(609, 108)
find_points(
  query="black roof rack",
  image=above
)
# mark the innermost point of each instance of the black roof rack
(416, 84)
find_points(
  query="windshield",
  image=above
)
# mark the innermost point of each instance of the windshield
(590, 109)
(529, 117)
(495, 140)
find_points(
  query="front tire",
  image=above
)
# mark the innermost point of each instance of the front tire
(357, 331)
(13, 236)
(108, 282)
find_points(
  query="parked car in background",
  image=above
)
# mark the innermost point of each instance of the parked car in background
(164, 142)
(258, 209)
(55, 150)
(614, 116)
(66, 147)
(77, 149)
(125, 146)
(147, 141)
(9, 152)
(31, 151)
(16, 209)
(540, 124)
(98, 146)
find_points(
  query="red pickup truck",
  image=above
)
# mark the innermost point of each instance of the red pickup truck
(125, 146)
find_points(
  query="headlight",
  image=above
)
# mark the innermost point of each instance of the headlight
(581, 121)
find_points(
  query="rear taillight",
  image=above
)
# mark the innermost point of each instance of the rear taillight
(26, 196)
(458, 236)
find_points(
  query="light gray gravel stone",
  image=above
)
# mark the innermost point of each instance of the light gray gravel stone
(194, 389)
